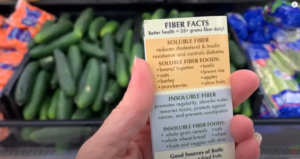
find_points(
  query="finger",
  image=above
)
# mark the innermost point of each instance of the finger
(249, 149)
(131, 115)
(243, 84)
(241, 128)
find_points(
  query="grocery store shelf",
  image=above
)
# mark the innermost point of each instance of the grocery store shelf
(56, 123)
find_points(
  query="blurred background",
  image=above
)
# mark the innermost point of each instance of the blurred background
(39, 119)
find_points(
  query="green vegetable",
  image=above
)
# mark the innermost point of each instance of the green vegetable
(25, 83)
(75, 61)
(122, 72)
(61, 43)
(232, 68)
(127, 44)
(87, 95)
(83, 21)
(246, 108)
(95, 28)
(236, 56)
(108, 45)
(159, 14)
(98, 103)
(52, 110)
(109, 28)
(44, 109)
(47, 63)
(137, 51)
(122, 30)
(39, 90)
(53, 32)
(81, 114)
(25, 133)
(91, 49)
(173, 13)
(64, 17)
(113, 93)
(146, 16)
(65, 106)
(58, 134)
(54, 80)
(186, 14)
(65, 79)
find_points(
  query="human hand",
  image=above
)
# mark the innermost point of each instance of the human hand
(125, 134)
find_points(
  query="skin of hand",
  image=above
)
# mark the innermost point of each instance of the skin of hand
(125, 134)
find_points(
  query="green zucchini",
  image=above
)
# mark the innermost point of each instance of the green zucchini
(91, 49)
(82, 23)
(120, 34)
(39, 90)
(87, 95)
(95, 28)
(98, 103)
(75, 61)
(53, 32)
(64, 74)
(23, 89)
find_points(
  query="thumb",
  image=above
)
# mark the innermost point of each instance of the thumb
(129, 117)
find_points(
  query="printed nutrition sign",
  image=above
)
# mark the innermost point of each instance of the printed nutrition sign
(189, 59)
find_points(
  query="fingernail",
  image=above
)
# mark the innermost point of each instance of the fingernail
(257, 137)
(135, 61)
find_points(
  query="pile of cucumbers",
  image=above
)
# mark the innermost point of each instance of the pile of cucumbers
(78, 69)
(238, 61)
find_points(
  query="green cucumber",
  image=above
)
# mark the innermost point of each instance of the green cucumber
(238, 109)
(64, 17)
(108, 45)
(26, 131)
(122, 73)
(146, 16)
(39, 90)
(32, 43)
(127, 43)
(236, 55)
(49, 135)
(62, 146)
(44, 109)
(113, 93)
(106, 111)
(82, 80)
(47, 63)
(91, 49)
(159, 14)
(75, 61)
(23, 89)
(137, 51)
(186, 14)
(52, 110)
(64, 74)
(120, 34)
(98, 103)
(95, 27)
(61, 43)
(232, 68)
(53, 32)
(82, 23)
(246, 109)
(87, 95)
(65, 106)
(109, 28)
(173, 13)
(82, 114)
(54, 80)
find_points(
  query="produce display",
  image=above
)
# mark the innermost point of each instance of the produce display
(270, 37)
